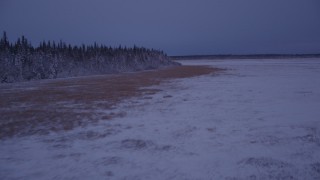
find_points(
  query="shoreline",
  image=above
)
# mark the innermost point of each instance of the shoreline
(62, 104)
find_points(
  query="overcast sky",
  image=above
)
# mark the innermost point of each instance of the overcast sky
(179, 27)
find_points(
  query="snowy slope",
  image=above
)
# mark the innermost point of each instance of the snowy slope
(257, 120)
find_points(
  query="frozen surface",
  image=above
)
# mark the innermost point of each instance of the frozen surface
(257, 120)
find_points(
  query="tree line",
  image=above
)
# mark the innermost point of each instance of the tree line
(20, 61)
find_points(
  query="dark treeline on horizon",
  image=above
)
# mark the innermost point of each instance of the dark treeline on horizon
(244, 56)
(20, 61)
(23, 43)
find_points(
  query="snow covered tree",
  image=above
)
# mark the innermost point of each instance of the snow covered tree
(21, 61)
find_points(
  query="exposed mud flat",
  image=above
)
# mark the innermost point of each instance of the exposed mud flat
(52, 105)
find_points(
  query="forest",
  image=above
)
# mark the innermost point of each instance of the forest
(21, 61)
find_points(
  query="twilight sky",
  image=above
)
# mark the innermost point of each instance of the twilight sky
(179, 27)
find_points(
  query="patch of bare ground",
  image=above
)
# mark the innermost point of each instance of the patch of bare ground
(62, 104)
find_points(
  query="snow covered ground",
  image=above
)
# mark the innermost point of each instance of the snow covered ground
(259, 119)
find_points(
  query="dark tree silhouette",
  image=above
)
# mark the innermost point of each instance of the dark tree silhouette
(21, 61)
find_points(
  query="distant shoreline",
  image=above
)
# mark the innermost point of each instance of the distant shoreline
(249, 56)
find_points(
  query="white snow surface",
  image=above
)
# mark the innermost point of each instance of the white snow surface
(259, 119)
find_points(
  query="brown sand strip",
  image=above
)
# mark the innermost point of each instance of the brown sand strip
(63, 104)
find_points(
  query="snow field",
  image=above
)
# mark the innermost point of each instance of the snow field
(259, 119)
